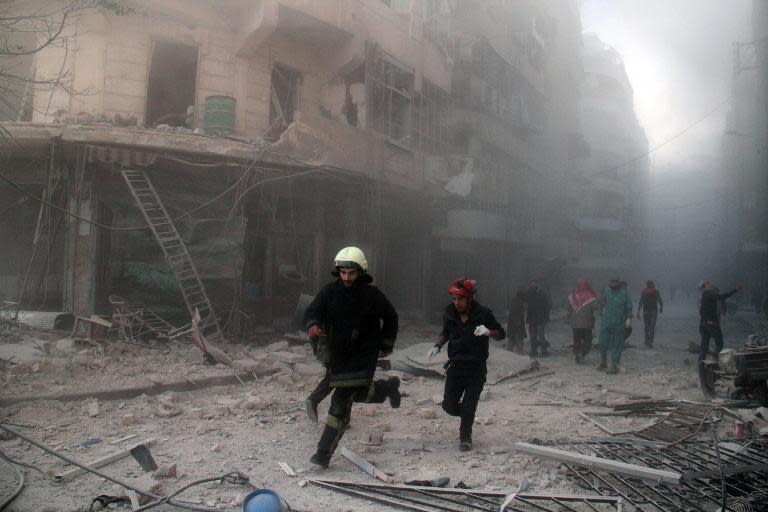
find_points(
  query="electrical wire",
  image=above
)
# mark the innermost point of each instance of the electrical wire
(7, 501)
(140, 228)
(720, 466)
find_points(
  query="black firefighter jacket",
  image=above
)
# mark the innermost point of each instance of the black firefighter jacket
(359, 322)
(465, 350)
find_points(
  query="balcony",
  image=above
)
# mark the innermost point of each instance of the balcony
(318, 24)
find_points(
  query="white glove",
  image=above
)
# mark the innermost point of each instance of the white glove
(482, 330)
(433, 352)
(628, 323)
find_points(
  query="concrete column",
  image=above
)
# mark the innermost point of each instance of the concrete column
(81, 242)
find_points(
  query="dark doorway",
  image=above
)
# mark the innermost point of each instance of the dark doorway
(172, 83)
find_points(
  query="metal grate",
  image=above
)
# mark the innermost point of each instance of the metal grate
(696, 461)
(436, 499)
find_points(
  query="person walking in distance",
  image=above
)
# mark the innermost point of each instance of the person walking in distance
(651, 305)
(516, 322)
(582, 306)
(537, 314)
(466, 328)
(360, 324)
(710, 307)
(616, 313)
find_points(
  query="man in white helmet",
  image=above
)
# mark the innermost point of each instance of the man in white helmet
(360, 325)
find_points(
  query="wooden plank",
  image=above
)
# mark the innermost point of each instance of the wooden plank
(366, 466)
(593, 462)
(286, 468)
(109, 459)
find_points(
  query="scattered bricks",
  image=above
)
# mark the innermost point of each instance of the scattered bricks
(369, 411)
(436, 399)
(248, 365)
(384, 427)
(128, 419)
(93, 408)
(427, 414)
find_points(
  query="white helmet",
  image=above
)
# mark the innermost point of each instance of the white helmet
(351, 257)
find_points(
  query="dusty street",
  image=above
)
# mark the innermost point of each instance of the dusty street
(251, 427)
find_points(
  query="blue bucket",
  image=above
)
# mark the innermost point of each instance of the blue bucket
(264, 500)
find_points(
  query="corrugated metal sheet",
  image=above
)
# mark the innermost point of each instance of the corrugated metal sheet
(59, 320)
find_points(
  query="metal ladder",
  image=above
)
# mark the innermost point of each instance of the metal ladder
(176, 253)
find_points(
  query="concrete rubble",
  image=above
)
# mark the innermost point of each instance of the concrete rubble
(252, 426)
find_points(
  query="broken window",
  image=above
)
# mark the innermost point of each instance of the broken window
(430, 119)
(390, 88)
(284, 99)
(172, 80)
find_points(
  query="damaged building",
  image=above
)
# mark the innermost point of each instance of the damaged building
(217, 156)
(612, 181)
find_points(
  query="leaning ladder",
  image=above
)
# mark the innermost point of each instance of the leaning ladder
(176, 253)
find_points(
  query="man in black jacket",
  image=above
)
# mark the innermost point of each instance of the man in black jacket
(537, 315)
(359, 324)
(466, 328)
(709, 313)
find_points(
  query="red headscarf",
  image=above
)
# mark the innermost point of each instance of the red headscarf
(462, 287)
(582, 295)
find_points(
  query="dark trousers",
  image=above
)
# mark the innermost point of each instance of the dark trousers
(710, 330)
(461, 395)
(341, 409)
(649, 320)
(322, 390)
(536, 333)
(582, 341)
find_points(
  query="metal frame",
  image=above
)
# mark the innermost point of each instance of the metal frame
(448, 499)
(690, 458)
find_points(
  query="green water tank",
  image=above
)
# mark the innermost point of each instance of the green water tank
(219, 115)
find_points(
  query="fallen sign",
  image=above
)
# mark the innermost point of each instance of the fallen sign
(593, 462)
(452, 499)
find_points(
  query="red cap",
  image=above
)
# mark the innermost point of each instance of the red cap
(462, 287)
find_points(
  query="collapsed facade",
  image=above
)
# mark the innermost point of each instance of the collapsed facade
(437, 136)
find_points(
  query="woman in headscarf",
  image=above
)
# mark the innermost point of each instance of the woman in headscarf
(583, 305)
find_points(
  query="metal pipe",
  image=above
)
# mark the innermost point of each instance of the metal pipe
(101, 474)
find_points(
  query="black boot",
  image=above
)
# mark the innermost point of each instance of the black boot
(465, 433)
(393, 392)
(329, 440)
